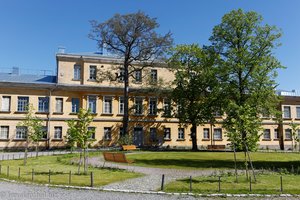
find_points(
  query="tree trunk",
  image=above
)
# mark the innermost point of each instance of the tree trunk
(37, 149)
(280, 136)
(26, 152)
(246, 165)
(235, 167)
(194, 137)
(126, 99)
(85, 162)
(250, 161)
(80, 161)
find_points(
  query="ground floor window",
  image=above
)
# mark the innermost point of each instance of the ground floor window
(206, 133)
(21, 132)
(92, 132)
(267, 134)
(4, 132)
(217, 134)
(167, 133)
(288, 134)
(57, 132)
(181, 133)
(107, 133)
(153, 134)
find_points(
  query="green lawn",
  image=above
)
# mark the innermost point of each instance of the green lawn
(60, 171)
(219, 160)
(266, 184)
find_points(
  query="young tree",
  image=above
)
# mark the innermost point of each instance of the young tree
(35, 132)
(247, 71)
(80, 134)
(134, 39)
(295, 137)
(195, 86)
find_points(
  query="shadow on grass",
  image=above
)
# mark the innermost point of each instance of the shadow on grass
(190, 163)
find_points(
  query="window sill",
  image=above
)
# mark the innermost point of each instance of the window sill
(287, 118)
(266, 140)
(167, 139)
(45, 113)
(287, 139)
(76, 79)
(120, 114)
(275, 139)
(94, 114)
(91, 80)
(180, 140)
(152, 115)
(217, 139)
(205, 139)
(19, 140)
(107, 114)
(4, 140)
(72, 113)
(4, 111)
(297, 119)
(58, 113)
(57, 139)
(21, 112)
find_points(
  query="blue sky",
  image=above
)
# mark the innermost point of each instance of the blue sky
(32, 30)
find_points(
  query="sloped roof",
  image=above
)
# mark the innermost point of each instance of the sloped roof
(27, 78)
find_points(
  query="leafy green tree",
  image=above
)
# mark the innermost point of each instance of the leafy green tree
(295, 137)
(35, 131)
(247, 71)
(79, 134)
(134, 39)
(195, 87)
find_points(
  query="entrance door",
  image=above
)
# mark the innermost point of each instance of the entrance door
(138, 139)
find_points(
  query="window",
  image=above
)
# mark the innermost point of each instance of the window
(167, 108)
(265, 113)
(92, 131)
(153, 135)
(107, 106)
(4, 132)
(92, 104)
(77, 72)
(288, 134)
(138, 106)
(5, 103)
(267, 134)
(57, 132)
(122, 132)
(153, 76)
(152, 106)
(167, 133)
(276, 135)
(181, 133)
(298, 134)
(75, 105)
(21, 132)
(121, 105)
(138, 76)
(59, 105)
(44, 132)
(286, 112)
(23, 104)
(206, 133)
(298, 112)
(43, 104)
(107, 133)
(93, 73)
(121, 74)
(217, 134)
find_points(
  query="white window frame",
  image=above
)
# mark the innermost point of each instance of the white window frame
(181, 133)
(276, 134)
(290, 133)
(23, 103)
(92, 105)
(206, 131)
(107, 105)
(121, 77)
(152, 107)
(167, 132)
(153, 76)
(43, 104)
(107, 133)
(21, 132)
(4, 132)
(267, 134)
(59, 105)
(285, 112)
(75, 107)
(138, 76)
(298, 112)
(77, 73)
(5, 104)
(58, 132)
(138, 108)
(93, 72)
(167, 107)
(215, 134)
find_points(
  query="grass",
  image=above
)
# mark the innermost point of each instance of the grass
(265, 184)
(216, 160)
(60, 170)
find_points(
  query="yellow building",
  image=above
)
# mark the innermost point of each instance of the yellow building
(57, 99)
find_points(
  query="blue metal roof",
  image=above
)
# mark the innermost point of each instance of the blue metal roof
(27, 78)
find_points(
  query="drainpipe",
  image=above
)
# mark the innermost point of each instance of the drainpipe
(49, 117)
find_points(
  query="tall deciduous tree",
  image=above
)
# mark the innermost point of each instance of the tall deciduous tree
(247, 73)
(79, 134)
(195, 87)
(134, 39)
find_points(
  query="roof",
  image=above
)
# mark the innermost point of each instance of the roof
(27, 78)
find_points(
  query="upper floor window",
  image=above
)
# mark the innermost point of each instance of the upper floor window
(59, 105)
(5, 106)
(75, 105)
(138, 76)
(92, 104)
(107, 133)
(167, 133)
(121, 105)
(152, 106)
(181, 133)
(206, 133)
(43, 104)
(92, 132)
(23, 103)
(153, 76)
(286, 112)
(4, 132)
(267, 134)
(138, 106)
(298, 112)
(57, 132)
(217, 134)
(153, 134)
(167, 108)
(93, 72)
(121, 74)
(77, 72)
(107, 105)
(21, 132)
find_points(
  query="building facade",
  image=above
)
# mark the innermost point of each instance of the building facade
(57, 99)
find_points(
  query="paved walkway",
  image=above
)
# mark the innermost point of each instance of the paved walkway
(20, 155)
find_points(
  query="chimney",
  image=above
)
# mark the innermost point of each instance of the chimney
(61, 49)
(15, 71)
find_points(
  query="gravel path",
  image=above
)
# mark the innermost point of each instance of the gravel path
(153, 176)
